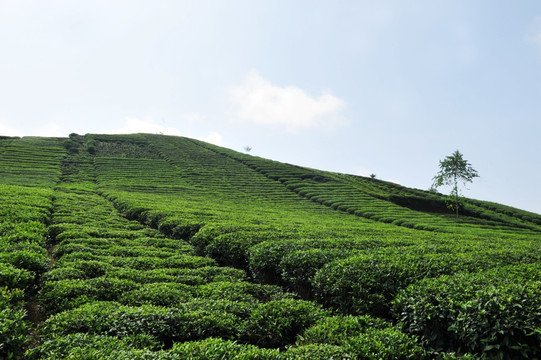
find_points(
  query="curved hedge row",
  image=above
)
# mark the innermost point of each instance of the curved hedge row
(367, 284)
(495, 312)
(14, 328)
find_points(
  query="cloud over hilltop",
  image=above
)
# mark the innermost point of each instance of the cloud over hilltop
(258, 101)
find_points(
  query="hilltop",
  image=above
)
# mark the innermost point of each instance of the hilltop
(178, 246)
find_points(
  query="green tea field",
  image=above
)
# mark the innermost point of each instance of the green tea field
(159, 247)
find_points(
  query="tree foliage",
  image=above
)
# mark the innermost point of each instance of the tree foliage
(454, 170)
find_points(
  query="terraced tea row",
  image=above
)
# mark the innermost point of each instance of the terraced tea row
(24, 215)
(30, 161)
(316, 266)
(388, 202)
(129, 292)
(157, 288)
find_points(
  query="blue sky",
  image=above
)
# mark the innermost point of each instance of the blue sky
(361, 87)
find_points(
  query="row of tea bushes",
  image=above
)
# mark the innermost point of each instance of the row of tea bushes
(340, 337)
(93, 347)
(120, 290)
(313, 256)
(183, 319)
(61, 295)
(387, 202)
(23, 231)
(496, 312)
(29, 167)
(367, 284)
(23, 261)
(105, 285)
(14, 328)
(30, 161)
(372, 271)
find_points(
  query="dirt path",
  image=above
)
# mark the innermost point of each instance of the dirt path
(50, 250)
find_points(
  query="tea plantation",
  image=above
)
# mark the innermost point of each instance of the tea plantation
(158, 247)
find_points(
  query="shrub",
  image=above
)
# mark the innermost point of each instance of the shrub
(85, 346)
(90, 268)
(239, 291)
(34, 262)
(179, 228)
(159, 294)
(367, 284)
(148, 263)
(337, 329)
(265, 260)
(494, 312)
(63, 295)
(231, 249)
(63, 273)
(198, 276)
(211, 348)
(299, 267)
(277, 323)
(318, 352)
(204, 236)
(14, 329)
(11, 277)
(165, 324)
(385, 344)
(364, 284)
(241, 310)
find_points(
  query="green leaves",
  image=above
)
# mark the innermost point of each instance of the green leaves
(454, 170)
(14, 329)
(277, 323)
(494, 312)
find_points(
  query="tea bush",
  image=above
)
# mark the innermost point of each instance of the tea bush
(213, 348)
(385, 344)
(165, 324)
(61, 295)
(338, 329)
(12, 277)
(277, 323)
(85, 346)
(368, 283)
(288, 225)
(159, 294)
(14, 329)
(318, 352)
(494, 313)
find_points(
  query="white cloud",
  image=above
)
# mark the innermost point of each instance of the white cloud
(8, 130)
(51, 129)
(534, 34)
(362, 172)
(258, 101)
(134, 125)
(213, 138)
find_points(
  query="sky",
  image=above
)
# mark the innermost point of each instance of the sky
(361, 87)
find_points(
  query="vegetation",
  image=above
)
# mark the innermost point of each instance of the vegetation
(156, 247)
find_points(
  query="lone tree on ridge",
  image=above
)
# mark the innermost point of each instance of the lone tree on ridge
(454, 170)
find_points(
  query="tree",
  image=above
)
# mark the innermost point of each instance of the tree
(454, 170)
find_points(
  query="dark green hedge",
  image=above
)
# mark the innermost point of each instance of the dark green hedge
(495, 312)
(277, 323)
(165, 324)
(368, 283)
(14, 329)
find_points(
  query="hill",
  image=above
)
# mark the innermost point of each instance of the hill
(160, 247)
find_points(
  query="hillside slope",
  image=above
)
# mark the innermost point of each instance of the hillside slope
(180, 246)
